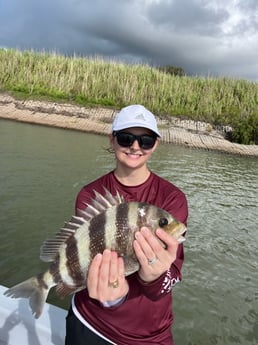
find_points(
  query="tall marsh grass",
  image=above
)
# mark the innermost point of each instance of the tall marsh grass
(94, 81)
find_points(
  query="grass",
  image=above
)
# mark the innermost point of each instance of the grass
(95, 81)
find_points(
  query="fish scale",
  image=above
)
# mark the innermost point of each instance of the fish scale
(108, 222)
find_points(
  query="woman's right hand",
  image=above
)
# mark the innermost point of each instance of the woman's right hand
(106, 279)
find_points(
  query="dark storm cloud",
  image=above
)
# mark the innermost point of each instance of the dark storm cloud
(203, 37)
(188, 16)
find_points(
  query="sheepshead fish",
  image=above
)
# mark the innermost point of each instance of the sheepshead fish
(107, 222)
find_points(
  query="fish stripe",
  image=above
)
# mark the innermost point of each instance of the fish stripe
(149, 215)
(41, 281)
(97, 234)
(142, 213)
(110, 229)
(121, 234)
(54, 270)
(133, 214)
(82, 237)
(72, 263)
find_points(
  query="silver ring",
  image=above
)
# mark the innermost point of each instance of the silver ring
(152, 261)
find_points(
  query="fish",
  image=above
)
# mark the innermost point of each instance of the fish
(107, 222)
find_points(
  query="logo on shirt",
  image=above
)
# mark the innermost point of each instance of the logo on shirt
(169, 283)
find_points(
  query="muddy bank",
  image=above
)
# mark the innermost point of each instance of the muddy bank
(98, 120)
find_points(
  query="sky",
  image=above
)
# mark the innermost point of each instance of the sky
(204, 37)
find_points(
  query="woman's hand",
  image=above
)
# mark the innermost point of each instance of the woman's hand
(153, 257)
(106, 280)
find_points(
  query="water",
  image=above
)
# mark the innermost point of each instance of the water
(42, 170)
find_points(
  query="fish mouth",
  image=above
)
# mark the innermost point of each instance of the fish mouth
(177, 230)
(182, 232)
(181, 239)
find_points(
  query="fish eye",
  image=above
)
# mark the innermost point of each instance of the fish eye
(163, 222)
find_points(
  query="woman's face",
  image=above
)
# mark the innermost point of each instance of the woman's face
(133, 156)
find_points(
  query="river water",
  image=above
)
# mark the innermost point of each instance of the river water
(41, 171)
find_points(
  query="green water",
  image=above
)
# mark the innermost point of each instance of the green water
(41, 171)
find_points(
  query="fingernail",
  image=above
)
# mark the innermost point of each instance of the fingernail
(158, 231)
(107, 252)
(98, 256)
(114, 255)
(145, 231)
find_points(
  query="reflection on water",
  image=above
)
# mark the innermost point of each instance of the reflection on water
(42, 170)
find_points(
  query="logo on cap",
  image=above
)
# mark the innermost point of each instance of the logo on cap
(140, 117)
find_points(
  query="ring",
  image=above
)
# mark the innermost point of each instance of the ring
(152, 261)
(114, 284)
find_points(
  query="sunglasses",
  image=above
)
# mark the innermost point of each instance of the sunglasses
(125, 139)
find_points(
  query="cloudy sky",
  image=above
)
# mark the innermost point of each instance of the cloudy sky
(204, 37)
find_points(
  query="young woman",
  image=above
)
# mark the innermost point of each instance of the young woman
(136, 309)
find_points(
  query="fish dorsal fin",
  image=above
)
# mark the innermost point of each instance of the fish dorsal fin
(100, 204)
(50, 247)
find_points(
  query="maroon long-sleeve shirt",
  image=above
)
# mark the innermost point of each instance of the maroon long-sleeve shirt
(145, 316)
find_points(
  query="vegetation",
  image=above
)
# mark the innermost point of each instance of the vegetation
(172, 70)
(219, 101)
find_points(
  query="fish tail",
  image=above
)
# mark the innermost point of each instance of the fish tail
(35, 289)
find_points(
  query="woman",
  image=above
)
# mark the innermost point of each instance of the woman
(136, 309)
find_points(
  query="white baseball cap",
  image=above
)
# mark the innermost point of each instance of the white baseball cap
(135, 116)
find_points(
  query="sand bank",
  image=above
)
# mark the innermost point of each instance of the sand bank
(98, 120)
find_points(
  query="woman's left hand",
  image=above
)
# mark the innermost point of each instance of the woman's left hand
(153, 257)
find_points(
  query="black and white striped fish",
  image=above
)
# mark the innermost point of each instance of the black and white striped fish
(108, 222)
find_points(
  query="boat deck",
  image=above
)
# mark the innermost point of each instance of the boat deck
(18, 326)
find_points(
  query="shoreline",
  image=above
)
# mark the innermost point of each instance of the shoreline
(187, 133)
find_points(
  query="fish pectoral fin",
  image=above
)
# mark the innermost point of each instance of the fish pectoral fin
(131, 264)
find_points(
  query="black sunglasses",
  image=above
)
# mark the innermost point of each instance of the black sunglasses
(145, 141)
